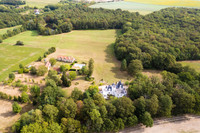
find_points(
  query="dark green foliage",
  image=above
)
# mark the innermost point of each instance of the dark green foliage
(19, 43)
(90, 67)
(13, 2)
(33, 70)
(160, 38)
(12, 76)
(65, 81)
(135, 67)
(77, 94)
(147, 120)
(124, 65)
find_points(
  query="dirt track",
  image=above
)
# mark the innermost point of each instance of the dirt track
(180, 124)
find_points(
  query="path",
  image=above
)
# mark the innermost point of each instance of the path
(179, 124)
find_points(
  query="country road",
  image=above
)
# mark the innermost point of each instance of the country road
(179, 124)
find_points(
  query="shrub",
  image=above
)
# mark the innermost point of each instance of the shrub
(41, 70)
(20, 71)
(24, 97)
(12, 76)
(72, 75)
(20, 43)
(33, 70)
(52, 61)
(16, 107)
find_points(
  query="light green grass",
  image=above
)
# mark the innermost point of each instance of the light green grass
(12, 56)
(192, 64)
(3, 31)
(130, 6)
(83, 45)
(40, 3)
(187, 3)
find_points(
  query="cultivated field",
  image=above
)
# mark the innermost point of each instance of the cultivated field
(186, 3)
(11, 56)
(3, 31)
(130, 6)
(192, 64)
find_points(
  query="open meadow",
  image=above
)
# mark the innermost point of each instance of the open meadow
(12, 56)
(193, 64)
(83, 45)
(40, 3)
(4, 30)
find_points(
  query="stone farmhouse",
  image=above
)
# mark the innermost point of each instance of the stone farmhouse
(118, 90)
(67, 59)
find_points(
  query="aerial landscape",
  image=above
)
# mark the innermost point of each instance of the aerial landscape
(79, 66)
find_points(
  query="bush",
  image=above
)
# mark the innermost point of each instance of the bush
(33, 70)
(12, 76)
(20, 71)
(1, 40)
(52, 61)
(72, 75)
(16, 107)
(20, 43)
(41, 70)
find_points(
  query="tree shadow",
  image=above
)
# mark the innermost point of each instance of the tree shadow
(110, 58)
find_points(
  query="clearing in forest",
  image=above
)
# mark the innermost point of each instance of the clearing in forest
(192, 63)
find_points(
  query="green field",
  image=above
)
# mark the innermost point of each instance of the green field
(3, 31)
(186, 3)
(130, 6)
(192, 64)
(83, 45)
(146, 6)
(40, 3)
(12, 56)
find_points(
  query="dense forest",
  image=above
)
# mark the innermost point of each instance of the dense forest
(13, 2)
(161, 38)
(63, 18)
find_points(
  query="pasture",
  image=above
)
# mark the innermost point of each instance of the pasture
(192, 64)
(83, 45)
(12, 56)
(40, 3)
(185, 3)
(130, 6)
(4, 30)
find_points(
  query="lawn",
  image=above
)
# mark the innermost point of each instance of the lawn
(186, 3)
(12, 56)
(83, 45)
(3, 31)
(192, 64)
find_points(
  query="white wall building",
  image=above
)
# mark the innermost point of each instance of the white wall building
(117, 90)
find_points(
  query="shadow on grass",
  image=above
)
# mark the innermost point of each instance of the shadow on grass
(110, 58)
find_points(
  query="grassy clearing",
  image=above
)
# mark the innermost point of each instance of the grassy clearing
(192, 64)
(3, 31)
(83, 45)
(12, 56)
(187, 3)
(40, 3)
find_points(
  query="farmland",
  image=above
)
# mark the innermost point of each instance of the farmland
(130, 6)
(186, 3)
